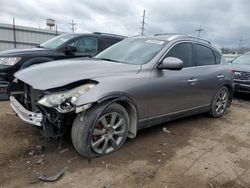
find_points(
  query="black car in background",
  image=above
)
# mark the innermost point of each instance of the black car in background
(241, 70)
(61, 47)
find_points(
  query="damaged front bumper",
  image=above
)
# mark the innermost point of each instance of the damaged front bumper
(24, 114)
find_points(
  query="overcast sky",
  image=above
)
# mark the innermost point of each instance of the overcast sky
(225, 22)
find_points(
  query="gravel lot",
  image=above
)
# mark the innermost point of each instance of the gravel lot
(197, 152)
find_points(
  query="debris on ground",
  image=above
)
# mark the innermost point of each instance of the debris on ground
(54, 177)
(64, 150)
(37, 150)
(165, 130)
(70, 160)
(10, 113)
(40, 161)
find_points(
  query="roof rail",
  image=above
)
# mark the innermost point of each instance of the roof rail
(182, 35)
(190, 37)
(159, 34)
(108, 34)
(200, 39)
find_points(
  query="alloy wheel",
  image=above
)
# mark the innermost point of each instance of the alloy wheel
(221, 102)
(108, 133)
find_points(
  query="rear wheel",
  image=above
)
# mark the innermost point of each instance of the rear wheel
(220, 103)
(108, 133)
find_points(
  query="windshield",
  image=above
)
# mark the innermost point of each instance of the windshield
(243, 60)
(132, 51)
(57, 41)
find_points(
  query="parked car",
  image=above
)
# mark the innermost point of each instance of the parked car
(230, 57)
(241, 69)
(61, 47)
(137, 83)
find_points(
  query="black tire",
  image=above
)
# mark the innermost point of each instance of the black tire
(217, 110)
(84, 122)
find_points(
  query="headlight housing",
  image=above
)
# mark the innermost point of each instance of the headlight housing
(65, 101)
(9, 60)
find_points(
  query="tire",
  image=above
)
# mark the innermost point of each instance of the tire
(82, 137)
(220, 103)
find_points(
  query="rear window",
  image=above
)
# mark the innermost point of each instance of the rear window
(107, 42)
(205, 55)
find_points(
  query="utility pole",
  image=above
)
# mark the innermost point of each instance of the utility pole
(73, 26)
(240, 45)
(199, 31)
(143, 22)
(14, 32)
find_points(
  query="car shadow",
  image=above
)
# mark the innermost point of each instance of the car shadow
(242, 96)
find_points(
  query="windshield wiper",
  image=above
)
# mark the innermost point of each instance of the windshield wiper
(107, 59)
(39, 46)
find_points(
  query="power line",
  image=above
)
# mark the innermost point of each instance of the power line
(199, 31)
(143, 23)
(73, 26)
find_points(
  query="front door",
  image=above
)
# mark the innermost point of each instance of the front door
(85, 46)
(175, 90)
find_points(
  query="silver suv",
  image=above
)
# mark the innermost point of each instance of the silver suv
(139, 82)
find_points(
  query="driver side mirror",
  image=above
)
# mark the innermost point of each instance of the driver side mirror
(70, 49)
(171, 63)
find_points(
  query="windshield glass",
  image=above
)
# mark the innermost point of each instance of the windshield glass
(132, 51)
(243, 60)
(57, 41)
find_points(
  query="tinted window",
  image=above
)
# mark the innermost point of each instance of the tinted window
(183, 51)
(217, 57)
(105, 43)
(86, 45)
(205, 56)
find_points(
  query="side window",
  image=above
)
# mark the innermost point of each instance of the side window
(205, 55)
(217, 57)
(86, 45)
(183, 51)
(107, 42)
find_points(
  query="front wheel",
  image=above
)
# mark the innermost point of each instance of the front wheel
(107, 135)
(220, 103)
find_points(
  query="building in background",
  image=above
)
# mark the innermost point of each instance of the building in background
(13, 36)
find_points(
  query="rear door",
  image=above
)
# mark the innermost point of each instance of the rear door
(209, 72)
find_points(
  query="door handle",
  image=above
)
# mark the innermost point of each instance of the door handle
(192, 80)
(221, 76)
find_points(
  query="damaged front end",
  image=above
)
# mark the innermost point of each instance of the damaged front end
(52, 111)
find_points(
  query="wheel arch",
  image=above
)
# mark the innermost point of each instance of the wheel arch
(130, 106)
(231, 92)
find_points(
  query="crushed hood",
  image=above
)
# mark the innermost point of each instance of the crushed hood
(60, 73)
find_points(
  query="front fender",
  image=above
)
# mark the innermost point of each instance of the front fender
(91, 98)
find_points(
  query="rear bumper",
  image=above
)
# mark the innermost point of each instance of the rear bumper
(25, 115)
